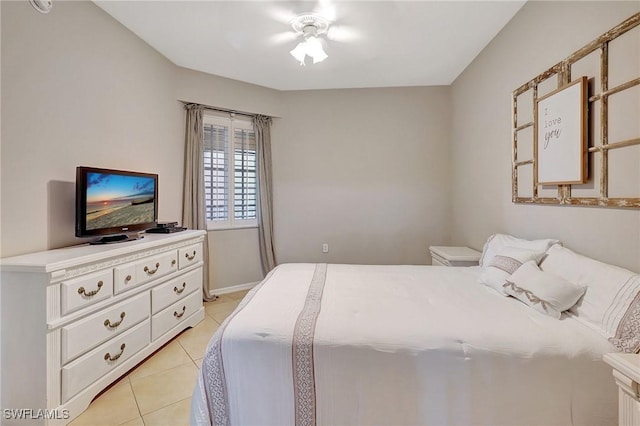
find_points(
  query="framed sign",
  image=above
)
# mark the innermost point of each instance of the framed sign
(561, 135)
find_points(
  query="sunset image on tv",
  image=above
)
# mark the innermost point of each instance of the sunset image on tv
(115, 200)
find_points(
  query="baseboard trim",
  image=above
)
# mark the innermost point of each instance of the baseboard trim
(232, 289)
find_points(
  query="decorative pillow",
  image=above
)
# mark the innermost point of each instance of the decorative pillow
(543, 291)
(496, 242)
(505, 263)
(611, 303)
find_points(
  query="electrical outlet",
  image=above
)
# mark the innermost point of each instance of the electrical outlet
(325, 248)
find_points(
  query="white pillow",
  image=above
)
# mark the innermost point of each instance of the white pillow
(543, 291)
(611, 303)
(496, 242)
(505, 263)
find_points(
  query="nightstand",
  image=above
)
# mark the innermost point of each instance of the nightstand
(454, 256)
(626, 370)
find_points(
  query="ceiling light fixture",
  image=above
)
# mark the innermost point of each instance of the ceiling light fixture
(42, 6)
(310, 26)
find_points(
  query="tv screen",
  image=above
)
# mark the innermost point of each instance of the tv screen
(112, 202)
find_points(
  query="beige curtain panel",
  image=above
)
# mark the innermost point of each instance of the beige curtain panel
(193, 206)
(262, 127)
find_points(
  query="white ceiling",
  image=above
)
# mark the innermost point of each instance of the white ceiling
(370, 43)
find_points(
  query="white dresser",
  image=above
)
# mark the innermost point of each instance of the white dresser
(76, 319)
(626, 371)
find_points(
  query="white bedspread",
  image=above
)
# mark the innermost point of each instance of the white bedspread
(399, 345)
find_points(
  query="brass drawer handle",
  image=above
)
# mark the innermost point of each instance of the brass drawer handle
(179, 315)
(83, 292)
(107, 323)
(173, 262)
(127, 278)
(190, 257)
(180, 290)
(151, 272)
(108, 357)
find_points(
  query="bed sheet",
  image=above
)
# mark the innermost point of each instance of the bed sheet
(398, 345)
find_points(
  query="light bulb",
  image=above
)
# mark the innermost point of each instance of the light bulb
(315, 50)
(300, 52)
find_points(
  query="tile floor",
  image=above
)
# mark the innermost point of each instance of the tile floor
(158, 391)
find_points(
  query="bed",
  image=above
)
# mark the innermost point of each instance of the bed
(400, 345)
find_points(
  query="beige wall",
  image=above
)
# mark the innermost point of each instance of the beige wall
(234, 258)
(221, 92)
(0, 164)
(540, 35)
(79, 89)
(364, 170)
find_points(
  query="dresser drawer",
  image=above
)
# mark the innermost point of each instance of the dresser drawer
(189, 255)
(174, 314)
(124, 278)
(155, 266)
(438, 261)
(80, 292)
(89, 332)
(88, 368)
(174, 290)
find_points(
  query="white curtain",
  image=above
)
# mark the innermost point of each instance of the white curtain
(262, 127)
(193, 206)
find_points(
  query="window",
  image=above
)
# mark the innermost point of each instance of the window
(230, 175)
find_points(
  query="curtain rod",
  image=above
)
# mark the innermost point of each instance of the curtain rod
(216, 109)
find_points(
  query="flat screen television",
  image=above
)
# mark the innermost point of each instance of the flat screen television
(115, 204)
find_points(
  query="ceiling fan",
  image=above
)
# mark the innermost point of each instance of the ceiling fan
(312, 29)
(310, 26)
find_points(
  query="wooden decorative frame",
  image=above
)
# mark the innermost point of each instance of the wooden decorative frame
(596, 101)
(561, 135)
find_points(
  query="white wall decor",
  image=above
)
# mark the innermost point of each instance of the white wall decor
(613, 185)
(561, 135)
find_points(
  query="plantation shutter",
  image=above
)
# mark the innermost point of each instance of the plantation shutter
(216, 171)
(245, 174)
(230, 168)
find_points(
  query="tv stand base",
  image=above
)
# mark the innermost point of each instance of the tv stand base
(122, 238)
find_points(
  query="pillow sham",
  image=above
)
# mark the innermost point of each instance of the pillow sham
(505, 263)
(496, 242)
(545, 292)
(611, 303)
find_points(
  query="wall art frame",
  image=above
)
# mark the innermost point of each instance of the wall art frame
(526, 188)
(561, 135)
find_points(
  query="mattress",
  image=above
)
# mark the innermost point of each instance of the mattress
(398, 345)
